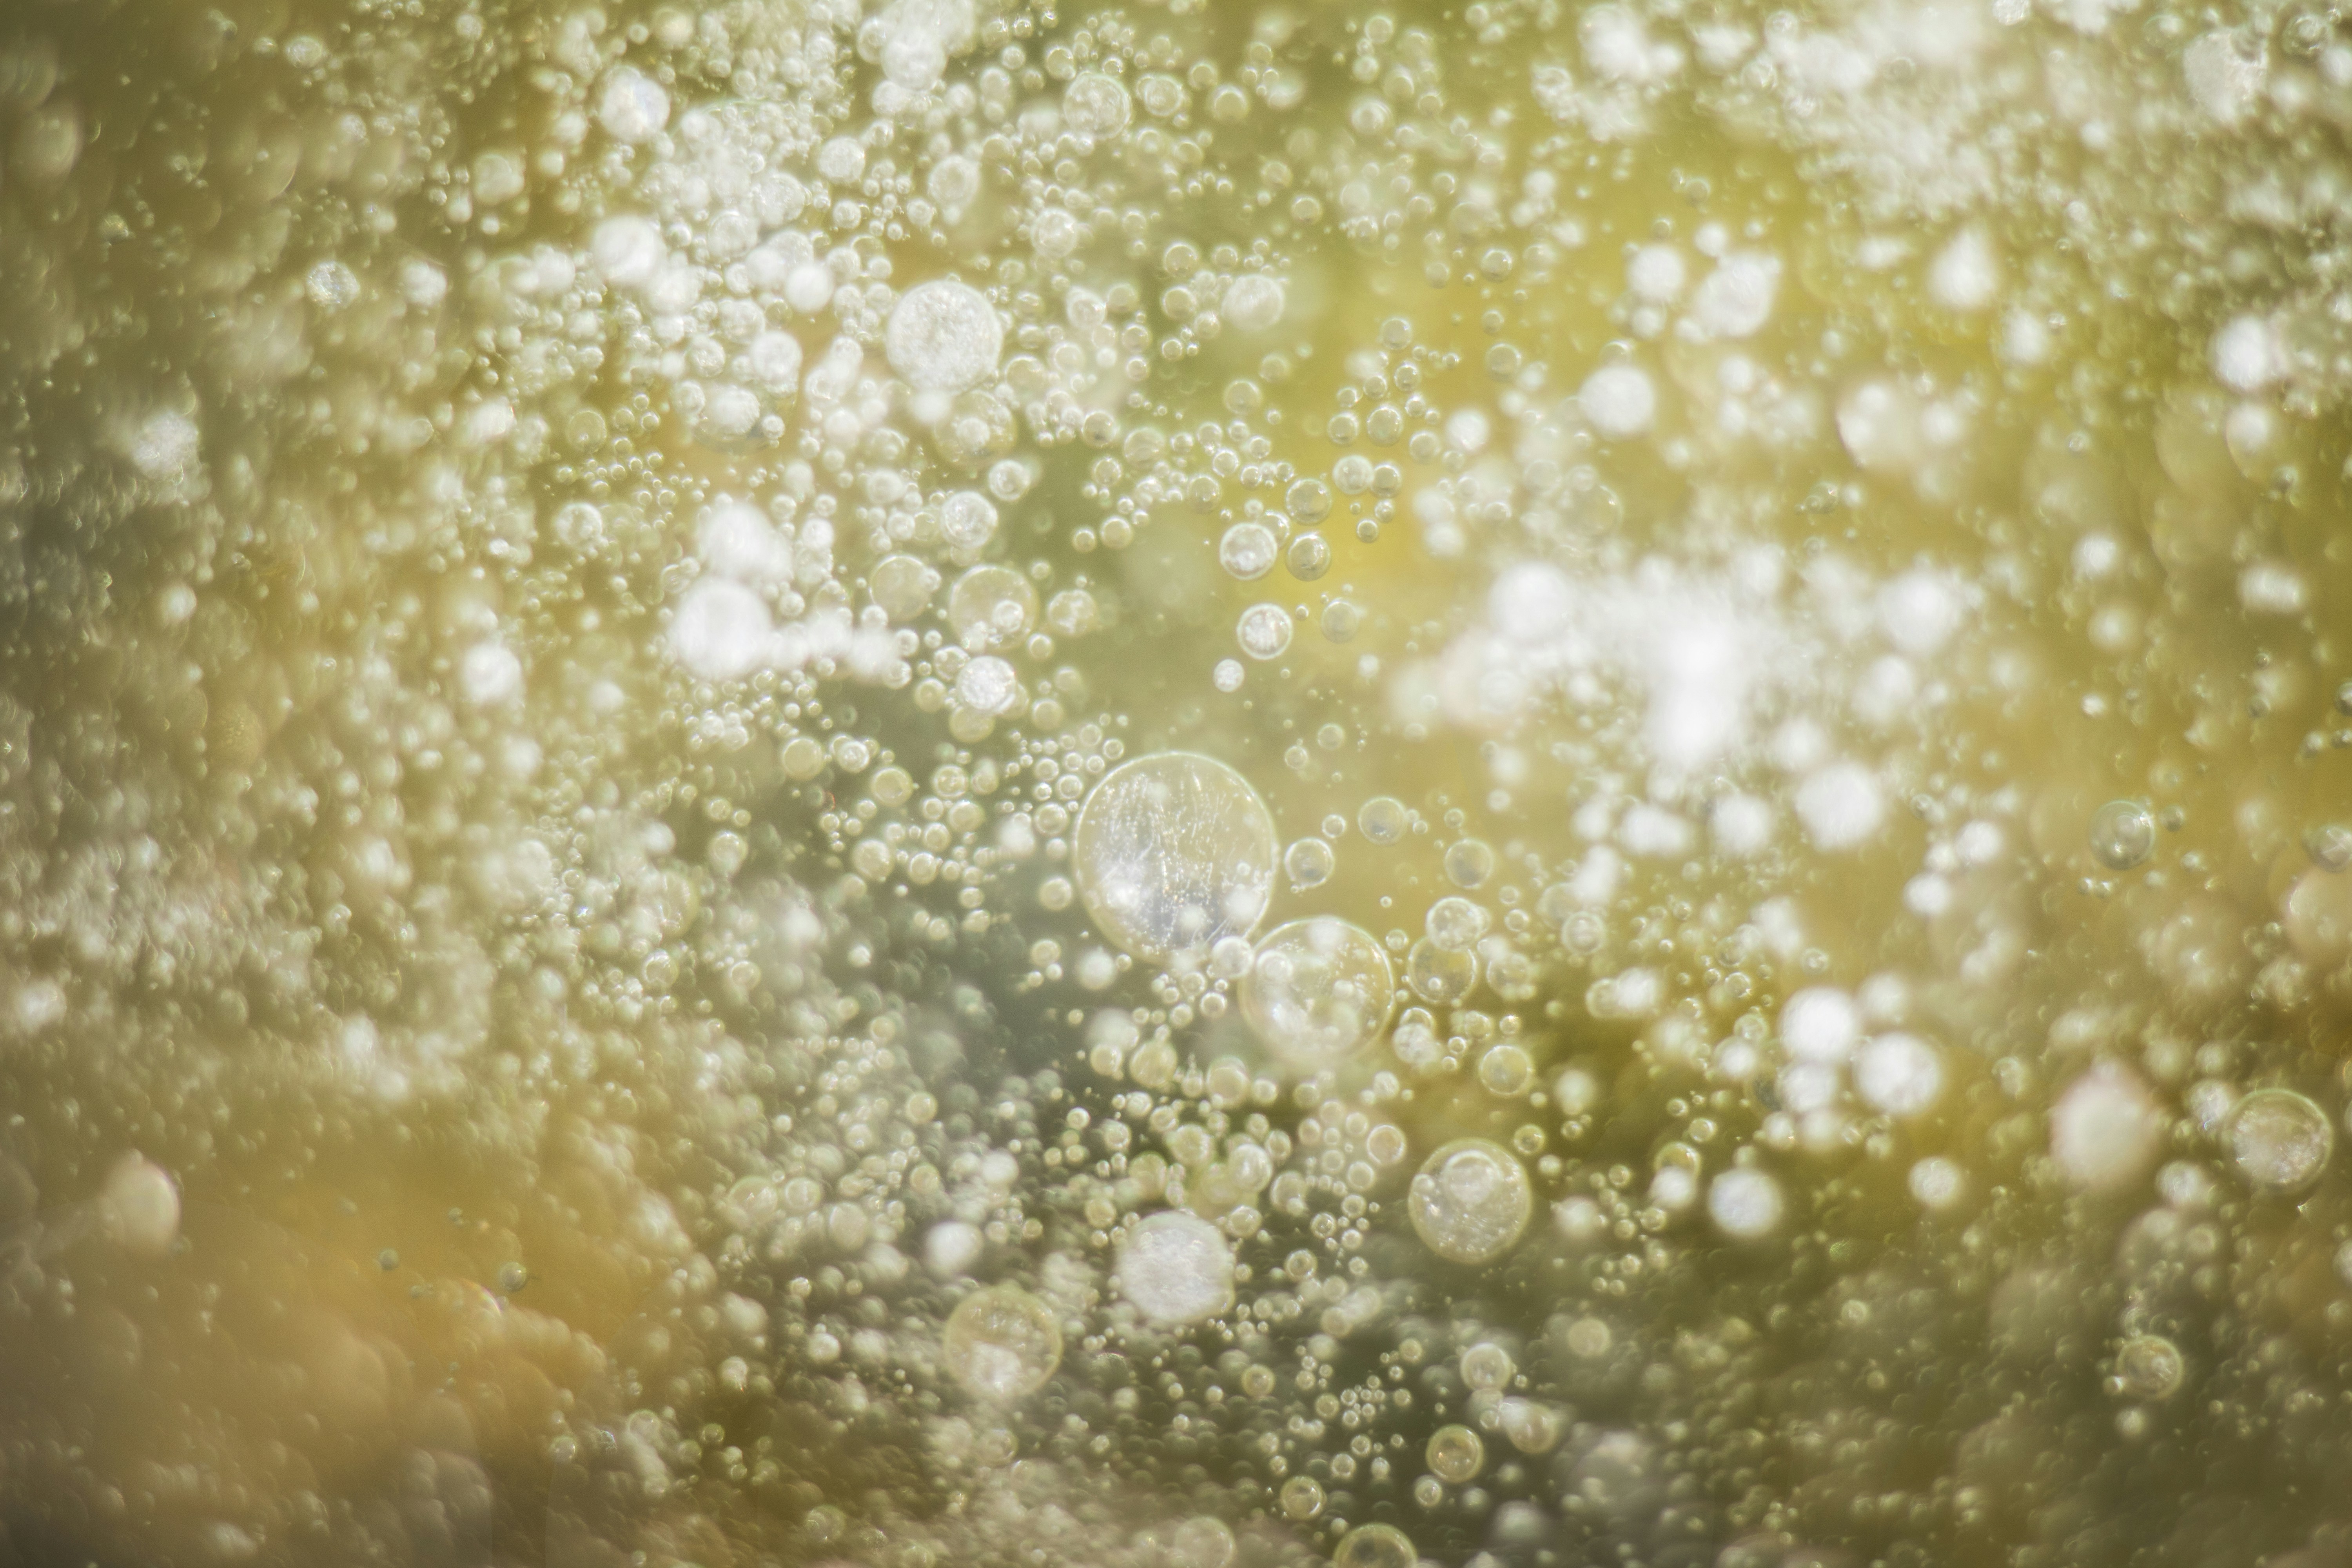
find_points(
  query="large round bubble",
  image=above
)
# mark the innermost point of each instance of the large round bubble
(1173, 852)
(1176, 1267)
(1003, 1342)
(1471, 1200)
(1318, 991)
(943, 336)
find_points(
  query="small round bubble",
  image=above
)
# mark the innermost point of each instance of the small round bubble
(1375, 1546)
(1440, 975)
(2122, 835)
(1002, 1343)
(1455, 924)
(1469, 863)
(1247, 550)
(1456, 1453)
(1309, 863)
(1745, 1204)
(1382, 819)
(1263, 631)
(2279, 1141)
(2150, 1366)
(1506, 1069)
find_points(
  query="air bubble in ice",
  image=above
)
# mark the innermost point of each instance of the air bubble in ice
(952, 182)
(1488, 1367)
(1506, 1069)
(1899, 1074)
(634, 107)
(991, 607)
(773, 359)
(1002, 1343)
(2279, 1140)
(141, 1206)
(1308, 557)
(1095, 105)
(1247, 550)
(1456, 1454)
(1744, 1202)
(1318, 990)
(967, 519)
(1471, 1200)
(1176, 1267)
(489, 675)
(1819, 1024)
(1308, 862)
(1252, 303)
(2122, 835)
(1455, 924)
(1618, 401)
(2149, 1366)
(1263, 631)
(627, 250)
(1440, 975)
(1382, 819)
(1375, 1546)
(988, 685)
(943, 336)
(903, 586)
(722, 630)
(1174, 852)
(1202, 1541)
(840, 160)
(1469, 862)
